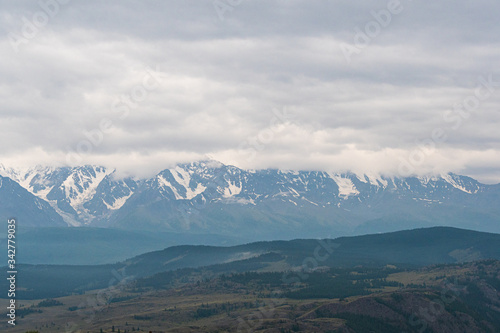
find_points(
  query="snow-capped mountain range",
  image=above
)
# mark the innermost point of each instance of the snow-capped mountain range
(208, 196)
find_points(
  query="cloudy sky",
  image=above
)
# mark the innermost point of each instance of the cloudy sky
(393, 87)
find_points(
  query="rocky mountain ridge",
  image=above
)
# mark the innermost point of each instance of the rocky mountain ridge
(210, 196)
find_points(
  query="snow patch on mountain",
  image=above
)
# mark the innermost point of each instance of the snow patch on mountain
(22, 176)
(231, 190)
(450, 180)
(68, 218)
(183, 178)
(162, 182)
(424, 180)
(241, 201)
(309, 201)
(11, 173)
(81, 186)
(118, 203)
(377, 180)
(294, 192)
(373, 179)
(346, 186)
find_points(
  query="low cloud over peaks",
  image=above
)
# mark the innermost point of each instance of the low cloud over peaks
(143, 85)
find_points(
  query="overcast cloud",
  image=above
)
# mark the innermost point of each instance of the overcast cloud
(154, 83)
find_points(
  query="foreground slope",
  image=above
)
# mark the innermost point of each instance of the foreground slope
(441, 298)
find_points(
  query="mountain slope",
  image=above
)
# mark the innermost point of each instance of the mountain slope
(92, 246)
(210, 197)
(81, 195)
(269, 204)
(418, 247)
(28, 209)
(413, 248)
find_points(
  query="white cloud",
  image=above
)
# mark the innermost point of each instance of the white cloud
(221, 81)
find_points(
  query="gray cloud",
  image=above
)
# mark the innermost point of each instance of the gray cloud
(214, 85)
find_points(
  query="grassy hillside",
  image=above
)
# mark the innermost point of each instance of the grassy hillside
(440, 298)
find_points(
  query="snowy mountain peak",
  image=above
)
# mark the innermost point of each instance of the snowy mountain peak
(80, 186)
(465, 184)
(92, 195)
(71, 191)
